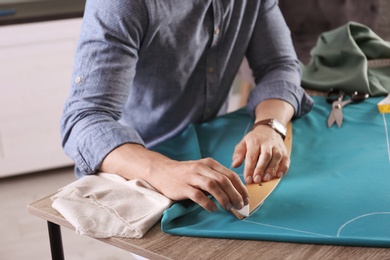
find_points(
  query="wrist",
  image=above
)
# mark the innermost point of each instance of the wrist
(273, 123)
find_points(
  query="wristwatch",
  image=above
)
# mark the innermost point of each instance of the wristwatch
(274, 124)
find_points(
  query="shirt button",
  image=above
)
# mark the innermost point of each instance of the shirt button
(210, 69)
(217, 31)
(77, 80)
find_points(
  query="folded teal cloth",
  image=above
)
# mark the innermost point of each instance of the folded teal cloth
(336, 191)
(351, 57)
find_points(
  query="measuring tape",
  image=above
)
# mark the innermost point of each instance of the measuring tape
(384, 105)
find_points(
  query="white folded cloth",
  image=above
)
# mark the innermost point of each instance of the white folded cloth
(107, 205)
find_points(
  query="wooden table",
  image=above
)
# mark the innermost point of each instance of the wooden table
(158, 245)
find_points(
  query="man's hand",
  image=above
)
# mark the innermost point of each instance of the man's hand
(263, 149)
(179, 180)
(265, 155)
(196, 179)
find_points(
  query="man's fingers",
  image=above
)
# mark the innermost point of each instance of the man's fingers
(284, 165)
(239, 154)
(200, 198)
(223, 184)
(270, 168)
(234, 179)
(252, 156)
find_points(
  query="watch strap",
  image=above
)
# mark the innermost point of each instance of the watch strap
(269, 122)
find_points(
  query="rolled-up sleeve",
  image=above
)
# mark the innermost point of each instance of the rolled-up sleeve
(103, 72)
(275, 66)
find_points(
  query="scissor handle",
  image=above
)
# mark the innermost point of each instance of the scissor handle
(334, 94)
(359, 96)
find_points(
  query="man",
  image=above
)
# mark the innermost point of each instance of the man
(146, 69)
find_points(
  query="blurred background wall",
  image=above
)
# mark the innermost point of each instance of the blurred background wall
(307, 19)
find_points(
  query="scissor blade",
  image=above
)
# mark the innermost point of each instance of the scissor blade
(331, 119)
(338, 115)
(332, 116)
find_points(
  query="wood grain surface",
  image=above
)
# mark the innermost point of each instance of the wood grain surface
(158, 245)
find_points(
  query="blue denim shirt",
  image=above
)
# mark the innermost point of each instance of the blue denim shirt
(145, 69)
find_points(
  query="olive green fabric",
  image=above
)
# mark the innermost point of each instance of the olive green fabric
(341, 57)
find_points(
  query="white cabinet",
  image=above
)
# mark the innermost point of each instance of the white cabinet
(35, 71)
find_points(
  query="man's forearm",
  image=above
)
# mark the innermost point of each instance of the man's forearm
(179, 180)
(132, 161)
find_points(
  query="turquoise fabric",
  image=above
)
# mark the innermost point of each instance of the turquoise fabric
(336, 192)
(340, 60)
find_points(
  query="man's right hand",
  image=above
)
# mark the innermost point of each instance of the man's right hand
(179, 180)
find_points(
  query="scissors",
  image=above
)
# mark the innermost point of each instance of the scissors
(336, 98)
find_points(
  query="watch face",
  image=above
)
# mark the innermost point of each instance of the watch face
(280, 127)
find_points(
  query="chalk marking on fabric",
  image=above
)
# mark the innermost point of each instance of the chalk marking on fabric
(247, 127)
(289, 229)
(346, 223)
(361, 216)
(245, 132)
(387, 136)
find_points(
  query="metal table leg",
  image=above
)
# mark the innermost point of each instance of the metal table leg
(57, 251)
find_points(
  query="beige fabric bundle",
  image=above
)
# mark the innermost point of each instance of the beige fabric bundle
(107, 205)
